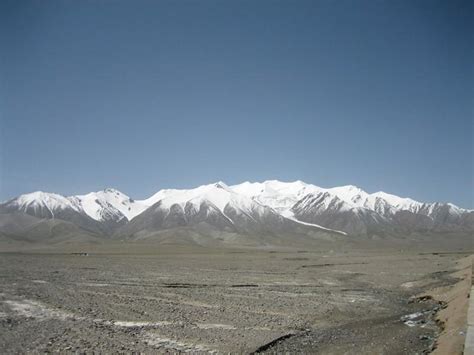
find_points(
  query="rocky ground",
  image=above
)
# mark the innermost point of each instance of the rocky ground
(201, 300)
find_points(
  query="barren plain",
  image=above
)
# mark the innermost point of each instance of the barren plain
(125, 298)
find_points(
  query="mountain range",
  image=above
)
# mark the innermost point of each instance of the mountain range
(269, 212)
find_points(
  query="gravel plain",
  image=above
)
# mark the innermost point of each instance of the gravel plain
(175, 299)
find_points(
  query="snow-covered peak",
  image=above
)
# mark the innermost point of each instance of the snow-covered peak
(110, 190)
(218, 194)
(221, 185)
(276, 194)
(102, 204)
(400, 203)
(350, 194)
(182, 193)
(47, 200)
(282, 196)
(112, 205)
(249, 188)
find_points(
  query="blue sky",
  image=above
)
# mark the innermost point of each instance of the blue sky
(143, 95)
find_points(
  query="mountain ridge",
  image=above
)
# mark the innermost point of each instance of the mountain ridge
(271, 207)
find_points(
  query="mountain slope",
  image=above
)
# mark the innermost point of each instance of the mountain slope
(24, 228)
(331, 211)
(109, 206)
(214, 207)
(354, 211)
(47, 206)
(99, 212)
(285, 210)
(278, 195)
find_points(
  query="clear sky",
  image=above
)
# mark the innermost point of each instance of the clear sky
(143, 95)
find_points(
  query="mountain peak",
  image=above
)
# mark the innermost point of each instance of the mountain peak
(221, 185)
(109, 203)
(43, 203)
(41, 197)
(111, 190)
(347, 208)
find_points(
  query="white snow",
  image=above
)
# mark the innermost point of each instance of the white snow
(110, 200)
(39, 199)
(95, 204)
(288, 214)
(350, 194)
(400, 203)
(218, 194)
(246, 197)
(282, 196)
(278, 195)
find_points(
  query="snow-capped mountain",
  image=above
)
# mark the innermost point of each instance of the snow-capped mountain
(101, 211)
(109, 204)
(41, 204)
(352, 210)
(284, 195)
(52, 206)
(214, 206)
(281, 196)
(333, 212)
(268, 207)
(341, 208)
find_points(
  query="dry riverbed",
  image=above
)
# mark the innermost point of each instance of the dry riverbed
(201, 300)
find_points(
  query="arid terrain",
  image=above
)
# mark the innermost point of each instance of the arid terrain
(124, 298)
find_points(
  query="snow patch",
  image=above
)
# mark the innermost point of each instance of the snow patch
(289, 215)
(414, 319)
